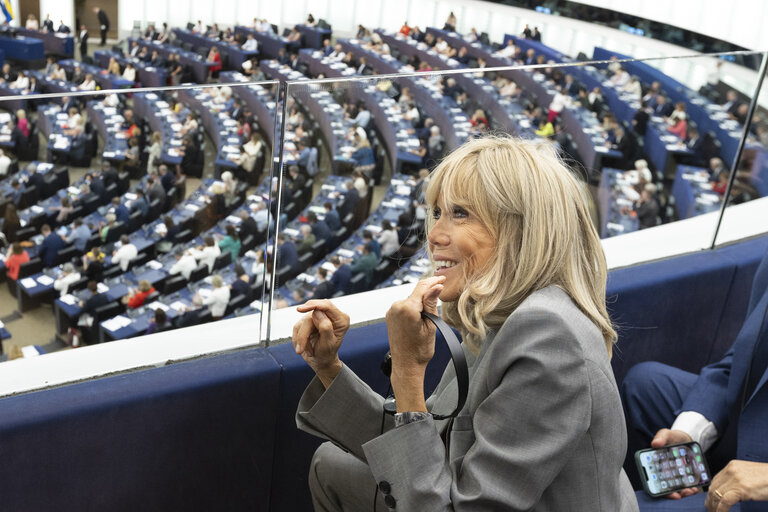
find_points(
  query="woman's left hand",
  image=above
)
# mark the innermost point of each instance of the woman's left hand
(412, 341)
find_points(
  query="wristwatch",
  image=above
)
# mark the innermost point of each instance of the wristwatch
(404, 418)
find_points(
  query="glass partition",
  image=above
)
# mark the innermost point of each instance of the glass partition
(367, 123)
(138, 210)
(309, 182)
(746, 178)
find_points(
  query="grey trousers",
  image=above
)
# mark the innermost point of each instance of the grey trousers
(340, 481)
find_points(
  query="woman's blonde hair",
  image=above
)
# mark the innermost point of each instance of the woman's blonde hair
(536, 210)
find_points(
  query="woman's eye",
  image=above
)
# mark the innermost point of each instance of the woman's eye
(460, 213)
(436, 212)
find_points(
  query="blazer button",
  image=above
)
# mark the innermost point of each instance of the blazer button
(384, 487)
(390, 501)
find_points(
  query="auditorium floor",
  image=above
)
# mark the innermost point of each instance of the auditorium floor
(37, 326)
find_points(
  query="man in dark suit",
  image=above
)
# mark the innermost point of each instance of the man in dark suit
(96, 184)
(363, 68)
(63, 29)
(8, 75)
(324, 288)
(627, 145)
(18, 192)
(50, 246)
(48, 23)
(95, 301)
(724, 408)
(248, 226)
(109, 174)
(351, 198)
(167, 179)
(342, 275)
(695, 143)
(286, 253)
(319, 228)
(35, 179)
(332, 217)
(155, 190)
(663, 107)
(83, 38)
(103, 24)
(121, 212)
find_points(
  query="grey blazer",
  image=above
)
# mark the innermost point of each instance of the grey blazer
(542, 429)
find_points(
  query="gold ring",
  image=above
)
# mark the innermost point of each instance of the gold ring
(718, 495)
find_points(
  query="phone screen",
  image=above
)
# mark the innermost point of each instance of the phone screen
(672, 468)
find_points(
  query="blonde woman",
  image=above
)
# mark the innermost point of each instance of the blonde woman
(521, 274)
(114, 67)
(155, 150)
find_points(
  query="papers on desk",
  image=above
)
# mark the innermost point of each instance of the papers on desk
(403, 190)
(44, 167)
(373, 228)
(45, 280)
(158, 305)
(204, 292)
(29, 351)
(37, 209)
(305, 277)
(191, 207)
(676, 147)
(234, 219)
(319, 210)
(346, 253)
(102, 288)
(178, 306)
(108, 154)
(113, 324)
(154, 264)
(615, 227)
(73, 190)
(69, 299)
(329, 267)
(291, 232)
(28, 282)
(330, 188)
(601, 149)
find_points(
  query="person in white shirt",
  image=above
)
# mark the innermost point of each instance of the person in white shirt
(184, 265)
(634, 88)
(125, 254)
(21, 82)
(5, 163)
(388, 239)
(209, 253)
(32, 23)
(360, 184)
(337, 54)
(621, 78)
(251, 44)
(218, 299)
(89, 84)
(265, 26)
(509, 50)
(130, 72)
(68, 277)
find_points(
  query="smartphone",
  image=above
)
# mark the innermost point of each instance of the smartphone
(672, 468)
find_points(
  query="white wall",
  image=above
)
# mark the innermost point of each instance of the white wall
(59, 10)
(737, 21)
(566, 35)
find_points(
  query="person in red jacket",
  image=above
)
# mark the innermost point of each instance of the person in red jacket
(136, 298)
(13, 261)
(215, 57)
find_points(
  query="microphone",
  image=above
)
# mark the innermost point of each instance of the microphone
(458, 359)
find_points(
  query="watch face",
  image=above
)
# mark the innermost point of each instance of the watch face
(404, 418)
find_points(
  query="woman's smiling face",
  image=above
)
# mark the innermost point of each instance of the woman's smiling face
(460, 245)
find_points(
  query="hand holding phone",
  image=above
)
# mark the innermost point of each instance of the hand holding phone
(672, 468)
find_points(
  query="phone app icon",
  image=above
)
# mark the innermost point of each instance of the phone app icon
(698, 458)
(701, 467)
(675, 453)
(681, 471)
(695, 449)
(655, 456)
(653, 476)
(679, 462)
(688, 469)
(682, 452)
(704, 477)
(663, 484)
(647, 457)
(677, 482)
(691, 479)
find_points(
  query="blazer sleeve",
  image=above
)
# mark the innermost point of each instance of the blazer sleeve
(537, 405)
(349, 413)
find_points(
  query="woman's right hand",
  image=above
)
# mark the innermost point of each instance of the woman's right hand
(318, 335)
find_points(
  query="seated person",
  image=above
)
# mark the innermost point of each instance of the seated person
(137, 297)
(723, 408)
(184, 265)
(159, 322)
(68, 277)
(126, 253)
(14, 259)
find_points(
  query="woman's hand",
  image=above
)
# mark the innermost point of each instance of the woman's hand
(412, 342)
(318, 336)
